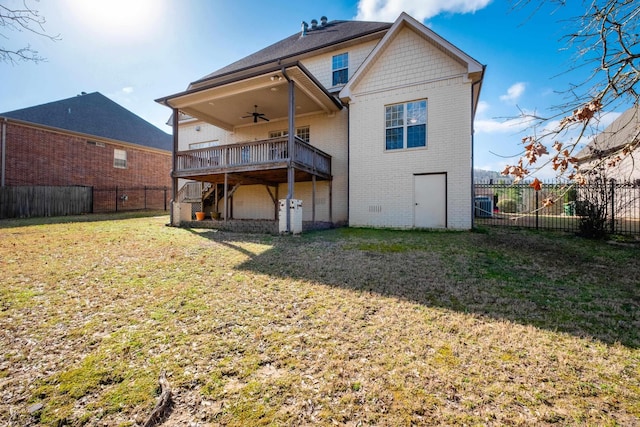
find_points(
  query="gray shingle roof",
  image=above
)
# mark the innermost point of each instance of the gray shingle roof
(619, 133)
(95, 114)
(332, 33)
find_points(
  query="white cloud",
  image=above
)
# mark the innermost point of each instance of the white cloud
(512, 126)
(127, 90)
(389, 10)
(513, 93)
(482, 107)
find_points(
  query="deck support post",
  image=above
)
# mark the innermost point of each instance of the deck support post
(290, 147)
(226, 191)
(331, 201)
(313, 199)
(174, 162)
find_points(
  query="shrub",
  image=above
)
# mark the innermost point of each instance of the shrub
(507, 206)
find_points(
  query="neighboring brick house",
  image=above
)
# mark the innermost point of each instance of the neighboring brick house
(368, 123)
(87, 140)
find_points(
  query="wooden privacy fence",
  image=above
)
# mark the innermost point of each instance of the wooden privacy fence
(520, 205)
(41, 201)
(38, 201)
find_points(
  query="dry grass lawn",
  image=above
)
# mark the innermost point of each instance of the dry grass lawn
(342, 327)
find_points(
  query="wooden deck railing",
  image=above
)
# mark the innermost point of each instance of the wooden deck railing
(252, 156)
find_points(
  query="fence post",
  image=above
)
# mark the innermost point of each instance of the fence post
(537, 211)
(612, 226)
(165, 198)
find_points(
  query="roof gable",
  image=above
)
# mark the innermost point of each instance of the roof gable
(95, 114)
(472, 66)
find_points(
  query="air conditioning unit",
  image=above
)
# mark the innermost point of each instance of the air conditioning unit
(483, 207)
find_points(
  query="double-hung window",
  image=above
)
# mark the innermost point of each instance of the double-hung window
(340, 68)
(119, 159)
(406, 125)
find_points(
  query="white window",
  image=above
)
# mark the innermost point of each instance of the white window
(303, 133)
(119, 159)
(204, 144)
(406, 125)
(340, 69)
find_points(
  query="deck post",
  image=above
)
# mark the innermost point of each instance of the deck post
(226, 190)
(290, 148)
(313, 199)
(331, 201)
(215, 198)
(174, 162)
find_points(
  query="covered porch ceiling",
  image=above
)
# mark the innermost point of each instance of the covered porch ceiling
(229, 102)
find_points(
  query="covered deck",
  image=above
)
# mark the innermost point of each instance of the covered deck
(283, 93)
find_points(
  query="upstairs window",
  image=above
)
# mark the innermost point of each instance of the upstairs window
(119, 159)
(340, 68)
(406, 125)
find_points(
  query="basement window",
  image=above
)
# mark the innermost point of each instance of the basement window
(119, 159)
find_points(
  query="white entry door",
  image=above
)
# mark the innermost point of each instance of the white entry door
(430, 200)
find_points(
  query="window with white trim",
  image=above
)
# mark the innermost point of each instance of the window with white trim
(302, 132)
(406, 125)
(119, 159)
(204, 144)
(340, 69)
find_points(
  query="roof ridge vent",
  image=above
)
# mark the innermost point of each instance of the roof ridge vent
(323, 21)
(304, 29)
(314, 24)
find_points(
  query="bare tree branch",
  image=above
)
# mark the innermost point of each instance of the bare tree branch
(606, 38)
(20, 20)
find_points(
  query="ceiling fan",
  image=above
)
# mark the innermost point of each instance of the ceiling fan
(256, 115)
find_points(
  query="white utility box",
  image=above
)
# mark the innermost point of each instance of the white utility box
(295, 209)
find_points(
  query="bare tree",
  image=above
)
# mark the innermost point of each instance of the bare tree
(606, 40)
(21, 19)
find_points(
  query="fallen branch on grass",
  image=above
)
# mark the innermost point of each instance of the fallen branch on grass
(163, 406)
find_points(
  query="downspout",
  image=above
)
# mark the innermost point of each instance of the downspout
(348, 163)
(3, 165)
(473, 132)
(290, 146)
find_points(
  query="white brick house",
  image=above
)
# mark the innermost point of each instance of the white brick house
(368, 123)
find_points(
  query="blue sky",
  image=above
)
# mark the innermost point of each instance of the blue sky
(135, 51)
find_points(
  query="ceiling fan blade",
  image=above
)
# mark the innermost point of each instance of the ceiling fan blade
(264, 118)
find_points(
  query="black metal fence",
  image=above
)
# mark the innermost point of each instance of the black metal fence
(119, 199)
(42, 201)
(520, 205)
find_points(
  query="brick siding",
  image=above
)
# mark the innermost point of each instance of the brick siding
(37, 156)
